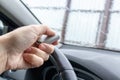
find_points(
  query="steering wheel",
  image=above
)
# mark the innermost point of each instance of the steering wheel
(63, 65)
(61, 62)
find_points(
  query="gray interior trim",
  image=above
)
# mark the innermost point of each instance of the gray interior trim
(17, 12)
(103, 63)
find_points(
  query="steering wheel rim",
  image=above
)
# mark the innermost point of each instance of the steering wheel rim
(61, 62)
(63, 65)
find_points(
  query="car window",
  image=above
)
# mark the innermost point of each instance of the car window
(89, 23)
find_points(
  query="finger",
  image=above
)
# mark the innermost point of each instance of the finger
(40, 53)
(42, 29)
(28, 50)
(33, 60)
(48, 31)
(55, 43)
(47, 48)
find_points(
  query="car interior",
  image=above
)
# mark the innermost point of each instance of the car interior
(86, 63)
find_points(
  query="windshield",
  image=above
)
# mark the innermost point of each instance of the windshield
(90, 23)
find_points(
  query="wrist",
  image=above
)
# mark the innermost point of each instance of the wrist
(3, 55)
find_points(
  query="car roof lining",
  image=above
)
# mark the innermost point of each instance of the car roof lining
(17, 12)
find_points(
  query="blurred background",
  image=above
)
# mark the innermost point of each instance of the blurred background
(89, 23)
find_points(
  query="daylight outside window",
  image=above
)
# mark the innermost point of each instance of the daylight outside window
(90, 23)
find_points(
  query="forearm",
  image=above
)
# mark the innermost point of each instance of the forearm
(2, 62)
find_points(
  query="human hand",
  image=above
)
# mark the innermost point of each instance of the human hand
(18, 49)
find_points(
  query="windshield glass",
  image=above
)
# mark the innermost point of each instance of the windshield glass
(90, 23)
